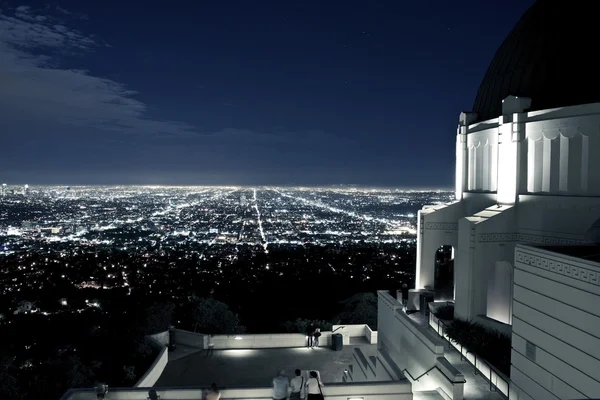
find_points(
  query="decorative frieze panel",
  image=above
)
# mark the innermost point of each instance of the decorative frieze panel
(498, 237)
(548, 240)
(558, 161)
(482, 161)
(443, 226)
(527, 238)
(559, 267)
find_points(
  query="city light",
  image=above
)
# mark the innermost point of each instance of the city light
(85, 254)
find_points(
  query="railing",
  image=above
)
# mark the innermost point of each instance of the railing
(420, 376)
(476, 360)
(476, 371)
(428, 371)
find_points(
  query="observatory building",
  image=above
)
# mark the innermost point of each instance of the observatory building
(526, 217)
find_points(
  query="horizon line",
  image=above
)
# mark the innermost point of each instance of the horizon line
(306, 186)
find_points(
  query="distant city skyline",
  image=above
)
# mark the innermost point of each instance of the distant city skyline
(269, 94)
(340, 186)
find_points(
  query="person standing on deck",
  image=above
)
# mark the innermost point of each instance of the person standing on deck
(281, 386)
(310, 331)
(214, 393)
(316, 335)
(314, 387)
(210, 348)
(297, 386)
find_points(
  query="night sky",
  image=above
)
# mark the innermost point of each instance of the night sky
(269, 92)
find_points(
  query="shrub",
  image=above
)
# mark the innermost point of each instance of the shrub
(301, 325)
(445, 313)
(489, 344)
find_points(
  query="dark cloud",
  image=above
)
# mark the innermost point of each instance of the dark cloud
(33, 83)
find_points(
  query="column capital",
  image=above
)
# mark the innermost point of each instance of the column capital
(515, 104)
(466, 118)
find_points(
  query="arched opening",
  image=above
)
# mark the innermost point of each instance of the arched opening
(443, 280)
(499, 293)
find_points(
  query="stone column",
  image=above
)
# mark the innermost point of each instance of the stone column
(462, 166)
(511, 133)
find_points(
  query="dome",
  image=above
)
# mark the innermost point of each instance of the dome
(549, 56)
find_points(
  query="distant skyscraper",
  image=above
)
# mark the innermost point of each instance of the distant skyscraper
(25, 190)
(243, 200)
(3, 189)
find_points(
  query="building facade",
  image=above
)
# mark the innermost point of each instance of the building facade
(527, 185)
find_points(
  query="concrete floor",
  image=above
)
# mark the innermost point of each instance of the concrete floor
(254, 367)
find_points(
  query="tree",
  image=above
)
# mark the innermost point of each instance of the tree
(76, 373)
(360, 309)
(8, 380)
(301, 325)
(212, 316)
(55, 376)
(129, 372)
(158, 317)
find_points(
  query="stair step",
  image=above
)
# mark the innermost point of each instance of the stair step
(428, 395)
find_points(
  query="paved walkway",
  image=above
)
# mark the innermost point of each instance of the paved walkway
(476, 387)
(254, 367)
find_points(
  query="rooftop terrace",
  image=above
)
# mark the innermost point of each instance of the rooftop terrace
(255, 367)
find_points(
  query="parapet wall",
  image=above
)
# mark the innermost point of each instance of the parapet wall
(365, 391)
(158, 342)
(412, 351)
(272, 340)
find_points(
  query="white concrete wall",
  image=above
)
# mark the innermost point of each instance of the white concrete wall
(481, 243)
(556, 310)
(349, 331)
(370, 335)
(265, 341)
(398, 337)
(162, 337)
(364, 391)
(482, 160)
(488, 237)
(499, 292)
(190, 339)
(438, 226)
(160, 362)
(556, 220)
(549, 151)
(271, 340)
(355, 330)
(560, 155)
(415, 349)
